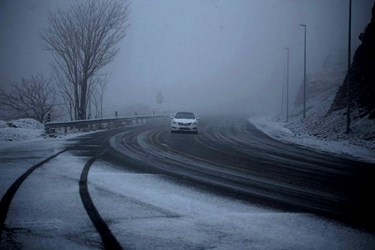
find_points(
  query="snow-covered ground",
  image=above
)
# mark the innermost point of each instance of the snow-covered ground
(150, 211)
(322, 130)
(18, 132)
(147, 211)
(342, 147)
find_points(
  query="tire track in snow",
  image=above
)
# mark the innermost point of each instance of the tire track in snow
(108, 239)
(8, 196)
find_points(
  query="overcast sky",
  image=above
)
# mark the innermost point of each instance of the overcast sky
(203, 55)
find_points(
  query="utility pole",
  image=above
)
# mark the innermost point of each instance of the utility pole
(304, 75)
(348, 120)
(287, 85)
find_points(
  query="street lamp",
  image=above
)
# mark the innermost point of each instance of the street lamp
(304, 76)
(287, 85)
(348, 81)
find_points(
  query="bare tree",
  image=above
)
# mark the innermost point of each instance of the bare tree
(83, 40)
(32, 98)
(97, 97)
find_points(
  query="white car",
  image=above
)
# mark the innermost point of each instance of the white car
(184, 122)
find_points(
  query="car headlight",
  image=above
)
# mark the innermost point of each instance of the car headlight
(173, 122)
(195, 123)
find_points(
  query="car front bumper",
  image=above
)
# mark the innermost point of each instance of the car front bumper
(184, 128)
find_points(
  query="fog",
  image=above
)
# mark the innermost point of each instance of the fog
(213, 56)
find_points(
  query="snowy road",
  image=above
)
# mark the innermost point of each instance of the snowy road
(229, 187)
(234, 156)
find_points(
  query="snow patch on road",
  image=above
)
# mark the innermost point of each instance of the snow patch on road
(149, 211)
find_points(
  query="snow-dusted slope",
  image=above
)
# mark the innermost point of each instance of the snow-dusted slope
(320, 129)
(20, 130)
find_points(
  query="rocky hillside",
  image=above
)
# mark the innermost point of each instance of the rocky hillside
(362, 78)
(327, 98)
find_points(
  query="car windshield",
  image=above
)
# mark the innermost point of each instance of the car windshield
(184, 115)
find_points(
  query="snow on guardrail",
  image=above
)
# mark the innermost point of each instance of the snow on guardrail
(105, 123)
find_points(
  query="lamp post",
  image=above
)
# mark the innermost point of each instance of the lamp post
(349, 62)
(304, 75)
(287, 84)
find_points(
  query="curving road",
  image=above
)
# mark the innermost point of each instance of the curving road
(229, 155)
(98, 190)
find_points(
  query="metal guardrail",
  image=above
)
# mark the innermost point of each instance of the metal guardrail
(95, 124)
